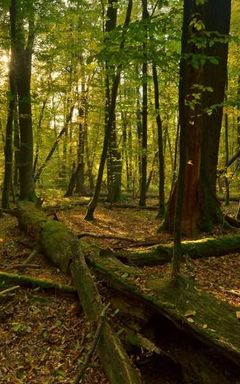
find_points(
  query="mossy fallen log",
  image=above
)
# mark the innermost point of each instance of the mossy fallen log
(7, 278)
(114, 359)
(200, 332)
(63, 248)
(195, 249)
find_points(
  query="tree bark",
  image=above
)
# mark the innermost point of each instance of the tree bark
(54, 146)
(8, 151)
(23, 64)
(201, 96)
(110, 121)
(161, 182)
(143, 175)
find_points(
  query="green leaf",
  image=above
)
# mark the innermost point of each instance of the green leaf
(213, 60)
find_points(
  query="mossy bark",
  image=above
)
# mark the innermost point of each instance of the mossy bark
(114, 358)
(64, 249)
(28, 281)
(200, 332)
(195, 249)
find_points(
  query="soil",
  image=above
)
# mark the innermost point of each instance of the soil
(44, 335)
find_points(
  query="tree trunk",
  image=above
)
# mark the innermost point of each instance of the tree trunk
(110, 121)
(8, 151)
(200, 107)
(227, 190)
(82, 112)
(161, 182)
(54, 146)
(23, 63)
(143, 175)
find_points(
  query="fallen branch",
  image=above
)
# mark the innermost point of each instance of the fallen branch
(27, 281)
(233, 292)
(8, 290)
(34, 252)
(233, 222)
(22, 266)
(106, 236)
(93, 348)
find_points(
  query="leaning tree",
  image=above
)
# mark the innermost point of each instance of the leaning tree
(203, 74)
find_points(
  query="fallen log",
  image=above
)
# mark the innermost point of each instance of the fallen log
(162, 253)
(114, 359)
(201, 333)
(83, 367)
(63, 248)
(7, 278)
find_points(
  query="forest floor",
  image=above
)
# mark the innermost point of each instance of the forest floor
(44, 335)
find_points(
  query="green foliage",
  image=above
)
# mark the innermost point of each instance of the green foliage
(70, 52)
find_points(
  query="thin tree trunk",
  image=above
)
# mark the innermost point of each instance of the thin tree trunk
(227, 192)
(93, 203)
(16, 140)
(55, 145)
(238, 110)
(143, 176)
(82, 112)
(38, 135)
(161, 185)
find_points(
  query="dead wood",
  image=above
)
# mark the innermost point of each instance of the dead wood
(115, 361)
(34, 252)
(98, 333)
(195, 249)
(28, 281)
(200, 332)
(9, 290)
(63, 248)
(22, 266)
(232, 221)
(106, 236)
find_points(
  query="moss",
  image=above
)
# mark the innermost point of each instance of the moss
(211, 318)
(56, 242)
(160, 254)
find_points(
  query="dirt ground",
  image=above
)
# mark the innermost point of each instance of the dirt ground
(44, 335)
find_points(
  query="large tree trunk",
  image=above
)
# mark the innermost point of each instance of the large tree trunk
(201, 96)
(8, 151)
(23, 64)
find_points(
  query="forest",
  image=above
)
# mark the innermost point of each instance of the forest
(119, 191)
